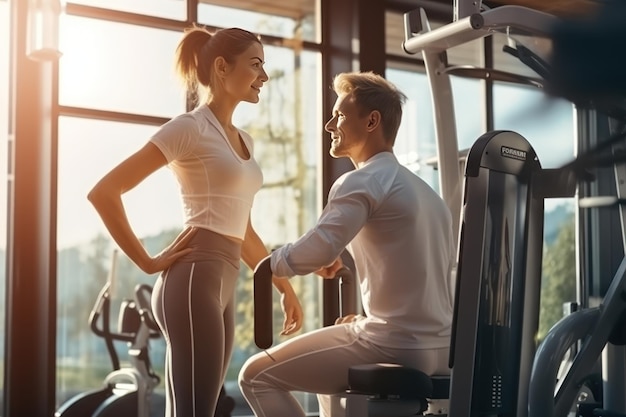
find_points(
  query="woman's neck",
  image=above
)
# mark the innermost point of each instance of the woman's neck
(223, 112)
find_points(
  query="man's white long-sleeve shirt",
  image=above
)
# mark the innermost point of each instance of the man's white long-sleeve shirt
(399, 232)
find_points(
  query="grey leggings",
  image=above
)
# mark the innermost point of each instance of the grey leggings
(193, 303)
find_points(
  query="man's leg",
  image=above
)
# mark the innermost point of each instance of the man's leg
(316, 362)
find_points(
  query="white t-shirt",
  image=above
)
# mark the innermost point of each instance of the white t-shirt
(399, 232)
(217, 186)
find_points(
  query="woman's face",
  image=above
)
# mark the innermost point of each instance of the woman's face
(246, 76)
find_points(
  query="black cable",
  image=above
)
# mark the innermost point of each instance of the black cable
(594, 157)
(530, 59)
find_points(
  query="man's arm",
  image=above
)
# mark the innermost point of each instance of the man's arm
(349, 206)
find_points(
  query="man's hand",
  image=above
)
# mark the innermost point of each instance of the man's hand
(330, 271)
(349, 318)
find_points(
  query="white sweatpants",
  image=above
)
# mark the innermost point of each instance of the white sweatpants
(318, 362)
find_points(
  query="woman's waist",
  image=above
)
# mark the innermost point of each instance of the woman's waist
(208, 244)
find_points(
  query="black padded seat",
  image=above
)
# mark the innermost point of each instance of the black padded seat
(441, 387)
(389, 379)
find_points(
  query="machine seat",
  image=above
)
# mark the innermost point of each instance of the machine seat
(384, 380)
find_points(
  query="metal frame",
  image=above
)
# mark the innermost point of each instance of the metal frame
(498, 278)
(433, 44)
(30, 349)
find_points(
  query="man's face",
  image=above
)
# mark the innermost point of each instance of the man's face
(347, 128)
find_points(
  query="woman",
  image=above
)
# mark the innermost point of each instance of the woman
(193, 298)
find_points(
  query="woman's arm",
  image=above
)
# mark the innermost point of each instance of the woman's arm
(106, 197)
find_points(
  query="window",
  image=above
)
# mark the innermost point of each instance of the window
(290, 20)
(468, 53)
(416, 146)
(415, 141)
(108, 72)
(548, 125)
(101, 70)
(87, 150)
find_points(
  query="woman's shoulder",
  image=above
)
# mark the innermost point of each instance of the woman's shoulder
(178, 134)
(182, 126)
(183, 121)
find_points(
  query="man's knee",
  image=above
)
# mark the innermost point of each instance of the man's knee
(245, 375)
(251, 369)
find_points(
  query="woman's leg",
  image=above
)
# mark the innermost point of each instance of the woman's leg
(229, 334)
(192, 318)
(190, 303)
(159, 317)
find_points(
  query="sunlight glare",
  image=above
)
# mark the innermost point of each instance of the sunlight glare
(77, 70)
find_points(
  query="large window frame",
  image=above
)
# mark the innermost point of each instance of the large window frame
(341, 22)
(4, 143)
(47, 187)
(72, 108)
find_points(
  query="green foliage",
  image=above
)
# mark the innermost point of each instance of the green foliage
(76, 377)
(89, 272)
(559, 276)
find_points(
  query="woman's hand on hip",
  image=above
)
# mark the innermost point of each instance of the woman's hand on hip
(172, 253)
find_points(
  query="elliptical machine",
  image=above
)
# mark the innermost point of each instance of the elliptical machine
(126, 391)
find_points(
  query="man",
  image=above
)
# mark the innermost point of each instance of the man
(399, 232)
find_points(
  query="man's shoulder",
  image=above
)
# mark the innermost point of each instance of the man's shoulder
(358, 184)
(354, 178)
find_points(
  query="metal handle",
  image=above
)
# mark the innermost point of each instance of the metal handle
(263, 322)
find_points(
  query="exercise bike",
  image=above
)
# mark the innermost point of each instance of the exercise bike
(126, 391)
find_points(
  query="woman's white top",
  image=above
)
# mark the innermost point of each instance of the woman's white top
(217, 186)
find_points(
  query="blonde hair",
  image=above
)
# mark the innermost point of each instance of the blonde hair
(373, 92)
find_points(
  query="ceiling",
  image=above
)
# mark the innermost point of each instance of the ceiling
(561, 8)
(295, 9)
(299, 8)
(466, 54)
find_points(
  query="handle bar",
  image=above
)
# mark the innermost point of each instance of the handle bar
(347, 295)
(102, 309)
(263, 308)
(143, 293)
(263, 323)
